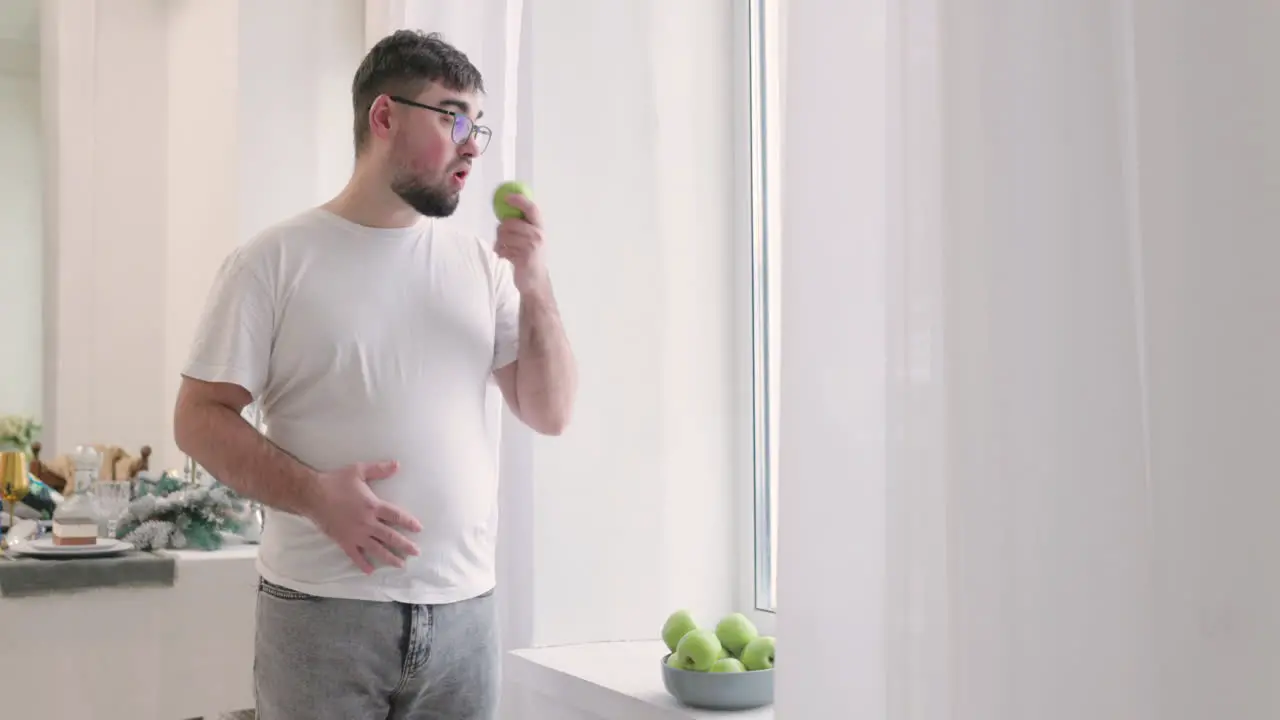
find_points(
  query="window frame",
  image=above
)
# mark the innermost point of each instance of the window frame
(755, 48)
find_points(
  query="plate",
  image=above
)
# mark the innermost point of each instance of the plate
(44, 548)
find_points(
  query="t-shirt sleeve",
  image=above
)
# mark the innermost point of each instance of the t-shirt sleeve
(233, 337)
(507, 326)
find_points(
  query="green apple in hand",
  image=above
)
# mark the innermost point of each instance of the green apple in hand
(758, 654)
(729, 664)
(698, 651)
(677, 626)
(735, 631)
(503, 209)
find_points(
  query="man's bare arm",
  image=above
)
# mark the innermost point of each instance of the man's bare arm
(209, 428)
(541, 384)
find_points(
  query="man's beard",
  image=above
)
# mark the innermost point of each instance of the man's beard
(429, 201)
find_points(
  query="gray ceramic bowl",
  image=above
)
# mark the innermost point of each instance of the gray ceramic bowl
(719, 691)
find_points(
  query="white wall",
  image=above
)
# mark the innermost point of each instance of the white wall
(21, 244)
(203, 166)
(105, 94)
(309, 48)
(179, 131)
(260, 129)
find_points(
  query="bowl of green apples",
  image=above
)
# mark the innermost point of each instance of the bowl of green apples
(727, 667)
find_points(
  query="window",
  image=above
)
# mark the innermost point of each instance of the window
(765, 136)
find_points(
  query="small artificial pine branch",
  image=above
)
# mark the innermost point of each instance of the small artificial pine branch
(170, 513)
(151, 535)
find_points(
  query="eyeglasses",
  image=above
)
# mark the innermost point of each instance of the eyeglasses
(463, 127)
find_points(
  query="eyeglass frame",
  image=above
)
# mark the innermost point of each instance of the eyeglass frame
(457, 116)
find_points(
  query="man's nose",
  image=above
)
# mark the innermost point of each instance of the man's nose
(470, 148)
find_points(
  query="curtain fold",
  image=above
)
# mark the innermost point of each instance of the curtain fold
(1079, 358)
(1049, 509)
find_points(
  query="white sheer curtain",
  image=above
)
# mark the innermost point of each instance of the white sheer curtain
(1047, 487)
(1035, 372)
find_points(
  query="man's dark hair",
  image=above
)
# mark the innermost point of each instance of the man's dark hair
(404, 63)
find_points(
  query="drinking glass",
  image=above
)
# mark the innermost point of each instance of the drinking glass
(113, 498)
(14, 482)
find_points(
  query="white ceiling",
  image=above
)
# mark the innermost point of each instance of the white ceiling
(20, 21)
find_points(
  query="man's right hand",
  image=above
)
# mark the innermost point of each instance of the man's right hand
(364, 526)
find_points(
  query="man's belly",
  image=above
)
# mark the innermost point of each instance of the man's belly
(447, 479)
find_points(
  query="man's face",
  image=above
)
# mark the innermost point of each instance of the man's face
(429, 168)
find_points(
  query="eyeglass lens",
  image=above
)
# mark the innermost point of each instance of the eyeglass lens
(463, 128)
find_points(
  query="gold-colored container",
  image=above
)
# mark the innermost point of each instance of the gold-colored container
(14, 481)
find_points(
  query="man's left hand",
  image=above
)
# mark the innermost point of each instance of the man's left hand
(520, 241)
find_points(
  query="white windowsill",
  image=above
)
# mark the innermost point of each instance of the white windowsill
(615, 680)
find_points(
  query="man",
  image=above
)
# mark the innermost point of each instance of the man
(369, 332)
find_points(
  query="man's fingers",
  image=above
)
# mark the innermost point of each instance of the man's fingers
(380, 470)
(514, 254)
(531, 213)
(395, 517)
(386, 556)
(516, 228)
(394, 541)
(519, 234)
(359, 559)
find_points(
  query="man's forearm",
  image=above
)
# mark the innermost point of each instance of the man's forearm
(546, 373)
(242, 458)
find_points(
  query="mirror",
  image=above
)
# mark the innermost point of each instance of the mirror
(21, 219)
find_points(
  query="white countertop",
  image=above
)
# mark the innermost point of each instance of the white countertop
(148, 653)
(231, 553)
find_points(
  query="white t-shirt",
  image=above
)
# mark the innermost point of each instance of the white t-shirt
(363, 345)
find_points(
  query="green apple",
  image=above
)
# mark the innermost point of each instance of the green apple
(680, 623)
(735, 631)
(758, 654)
(503, 209)
(728, 665)
(698, 650)
(673, 661)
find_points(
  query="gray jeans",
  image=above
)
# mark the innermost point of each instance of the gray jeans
(327, 659)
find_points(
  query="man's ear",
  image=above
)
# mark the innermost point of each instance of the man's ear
(380, 117)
